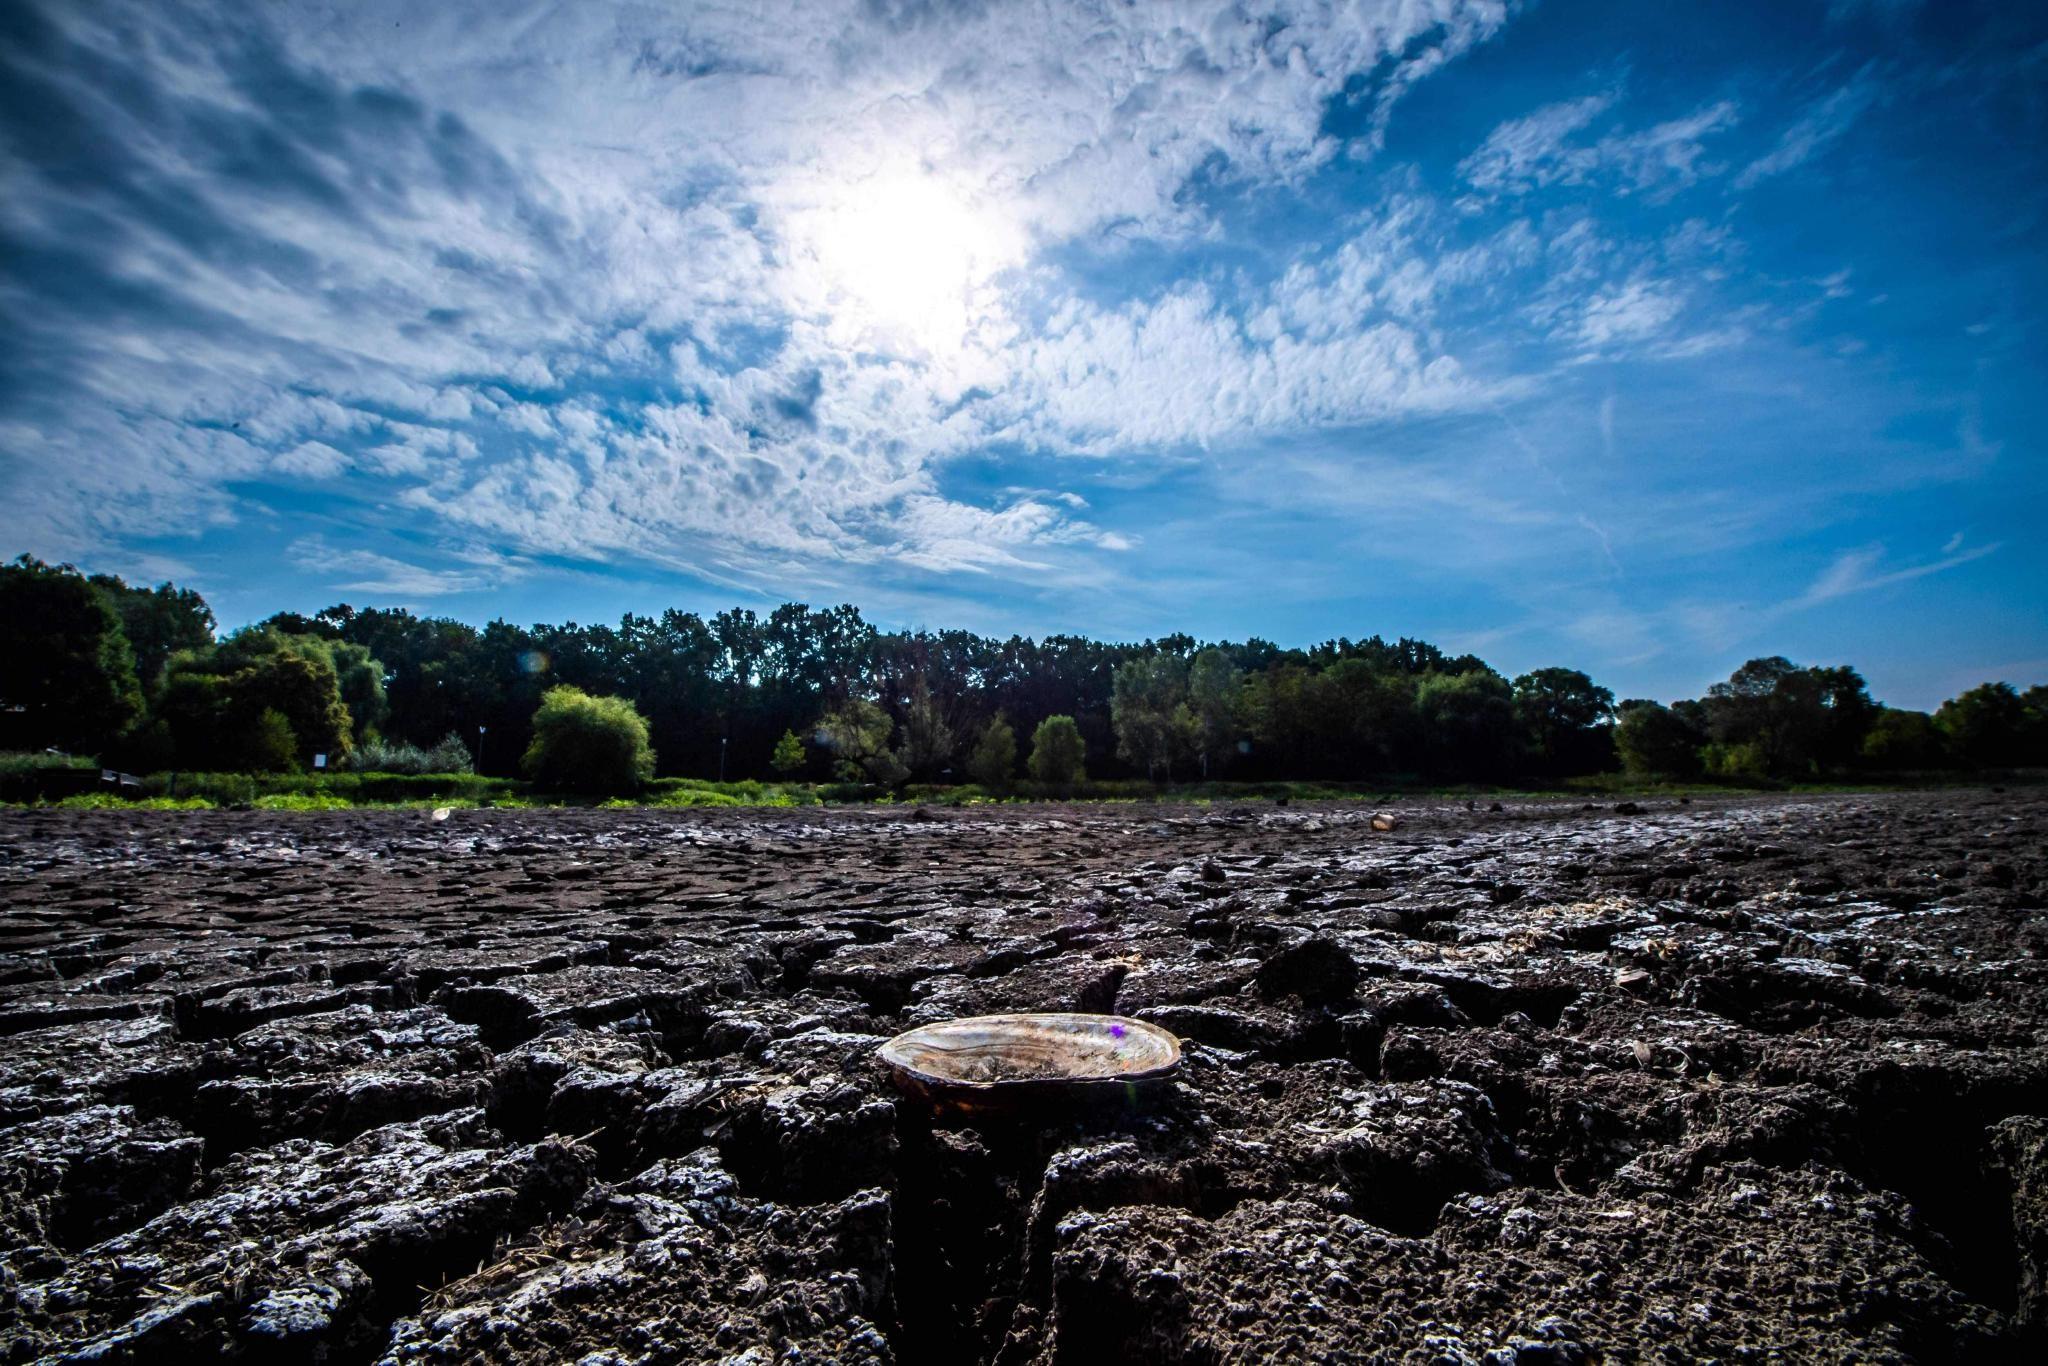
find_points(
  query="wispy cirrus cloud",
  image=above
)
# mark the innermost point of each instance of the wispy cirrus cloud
(363, 571)
(1861, 571)
(1813, 131)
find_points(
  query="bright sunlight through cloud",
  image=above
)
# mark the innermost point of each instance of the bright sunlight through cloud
(907, 261)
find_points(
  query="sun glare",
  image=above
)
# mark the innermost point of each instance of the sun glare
(908, 259)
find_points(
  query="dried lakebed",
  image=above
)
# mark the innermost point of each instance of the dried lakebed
(1728, 1079)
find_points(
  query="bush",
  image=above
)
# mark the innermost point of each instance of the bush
(43, 762)
(588, 744)
(1736, 763)
(1058, 754)
(449, 755)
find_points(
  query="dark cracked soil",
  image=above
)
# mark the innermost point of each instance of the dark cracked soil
(1738, 1080)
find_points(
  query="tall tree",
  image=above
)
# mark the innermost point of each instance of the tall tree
(1984, 725)
(1147, 707)
(1215, 689)
(927, 736)
(158, 622)
(213, 701)
(1560, 713)
(1468, 722)
(67, 675)
(994, 760)
(1656, 741)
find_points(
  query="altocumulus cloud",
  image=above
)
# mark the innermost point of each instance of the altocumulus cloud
(604, 281)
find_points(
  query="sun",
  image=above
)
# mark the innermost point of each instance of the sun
(908, 260)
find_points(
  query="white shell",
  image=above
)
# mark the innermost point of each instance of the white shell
(986, 1055)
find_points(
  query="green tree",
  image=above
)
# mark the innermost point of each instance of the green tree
(1467, 721)
(1215, 696)
(590, 744)
(213, 698)
(1147, 711)
(1904, 740)
(1058, 754)
(269, 745)
(1656, 741)
(858, 736)
(1790, 719)
(2034, 730)
(1364, 718)
(158, 622)
(1985, 725)
(994, 759)
(788, 757)
(64, 660)
(358, 678)
(927, 737)
(1561, 714)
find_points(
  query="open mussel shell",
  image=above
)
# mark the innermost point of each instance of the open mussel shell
(990, 1062)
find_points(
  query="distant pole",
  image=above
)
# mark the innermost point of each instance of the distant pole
(722, 741)
(480, 747)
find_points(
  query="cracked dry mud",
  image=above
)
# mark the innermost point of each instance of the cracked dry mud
(1735, 1079)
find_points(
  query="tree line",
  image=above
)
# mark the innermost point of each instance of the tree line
(139, 675)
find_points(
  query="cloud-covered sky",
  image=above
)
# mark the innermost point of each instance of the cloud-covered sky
(1639, 338)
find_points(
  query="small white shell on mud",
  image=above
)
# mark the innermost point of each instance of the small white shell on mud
(993, 1060)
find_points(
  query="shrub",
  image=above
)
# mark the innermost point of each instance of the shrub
(449, 755)
(42, 762)
(1058, 754)
(789, 754)
(1737, 763)
(213, 702)
(588, 744)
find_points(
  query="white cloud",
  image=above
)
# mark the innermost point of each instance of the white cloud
(1544, 148)
(1812, 132)
(1857, 571)
(311, 460)
(1633, 312)
(363, 571)
(576, 276)
(1535, 150)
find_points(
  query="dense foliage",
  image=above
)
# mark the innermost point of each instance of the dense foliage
(588, 744)
(136, 674)
(67, 672)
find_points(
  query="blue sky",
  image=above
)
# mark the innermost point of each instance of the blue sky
(1641, 338)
